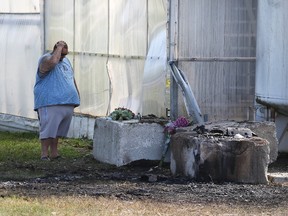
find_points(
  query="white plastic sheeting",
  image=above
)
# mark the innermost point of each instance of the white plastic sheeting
(108, 43)
(16, 6)
(20, 48)
(154, 76)
(118, 50)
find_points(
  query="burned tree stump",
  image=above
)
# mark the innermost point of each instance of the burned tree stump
(220, 153)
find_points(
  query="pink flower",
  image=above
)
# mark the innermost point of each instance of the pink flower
(170, 128)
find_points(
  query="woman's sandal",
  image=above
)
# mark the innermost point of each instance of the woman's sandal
(45, 158)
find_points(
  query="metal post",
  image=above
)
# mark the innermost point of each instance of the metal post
(172, 52)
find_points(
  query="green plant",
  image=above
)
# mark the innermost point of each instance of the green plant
(121, 113)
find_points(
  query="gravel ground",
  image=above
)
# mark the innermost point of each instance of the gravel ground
(141, 181)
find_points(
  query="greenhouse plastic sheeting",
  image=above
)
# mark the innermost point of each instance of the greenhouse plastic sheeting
(20, 48)
(109, 43)
(112, 47)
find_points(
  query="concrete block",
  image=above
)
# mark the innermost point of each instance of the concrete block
(120, 143)
(265, 130)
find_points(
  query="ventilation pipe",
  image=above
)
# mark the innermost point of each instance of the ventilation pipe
(191, 104)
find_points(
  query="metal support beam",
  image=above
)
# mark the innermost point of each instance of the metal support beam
(172, 54)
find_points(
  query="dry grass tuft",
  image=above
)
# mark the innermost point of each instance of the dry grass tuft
(86, 206)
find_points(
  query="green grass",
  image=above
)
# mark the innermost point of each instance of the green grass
(20, 155)
(24, 147)
(19, 146)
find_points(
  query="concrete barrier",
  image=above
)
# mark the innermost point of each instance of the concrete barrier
(122, 142)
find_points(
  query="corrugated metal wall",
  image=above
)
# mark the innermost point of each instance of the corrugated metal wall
(216, 49)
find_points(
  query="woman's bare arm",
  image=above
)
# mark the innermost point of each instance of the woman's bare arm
(48, 63)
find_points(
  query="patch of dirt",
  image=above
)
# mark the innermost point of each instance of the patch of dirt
(142, 180)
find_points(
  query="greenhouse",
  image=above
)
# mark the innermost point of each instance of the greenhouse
(125, 54)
